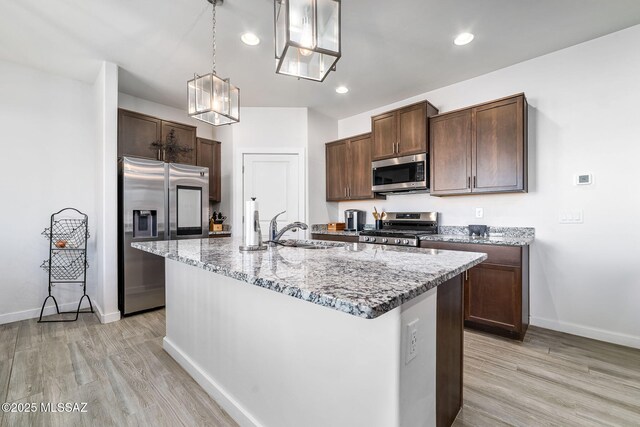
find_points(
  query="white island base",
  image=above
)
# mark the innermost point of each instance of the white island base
(273, 360)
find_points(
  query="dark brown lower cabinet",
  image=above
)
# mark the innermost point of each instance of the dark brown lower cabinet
(496, 292)
(335, 237)
(449, 350)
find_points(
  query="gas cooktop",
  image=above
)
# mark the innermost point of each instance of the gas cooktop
(402, 229)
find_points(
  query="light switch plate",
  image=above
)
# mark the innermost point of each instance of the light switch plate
(574, 216)
(479, 212)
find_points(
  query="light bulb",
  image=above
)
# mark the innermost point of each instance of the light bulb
(307, 34)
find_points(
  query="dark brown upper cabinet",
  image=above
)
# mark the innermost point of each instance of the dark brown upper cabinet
(401, 132)
(135, 134)
(480, 149)
(450, 153)
(336, 170)
(208, 154)
(186, 137)
(137, 131)
(348, 163)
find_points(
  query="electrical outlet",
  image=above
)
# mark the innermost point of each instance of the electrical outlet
(479, 212)
(412, 340)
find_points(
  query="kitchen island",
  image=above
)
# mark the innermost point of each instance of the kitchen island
(343, 335)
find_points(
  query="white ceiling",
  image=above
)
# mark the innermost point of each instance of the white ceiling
(391, 49)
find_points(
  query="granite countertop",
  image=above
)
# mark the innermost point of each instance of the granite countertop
(491, 240)
(360, 279)
(501, 236)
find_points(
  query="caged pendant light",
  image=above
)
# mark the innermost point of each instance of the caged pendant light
(307, 37)
(212, 99)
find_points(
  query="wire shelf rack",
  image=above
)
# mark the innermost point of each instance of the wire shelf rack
(67, 263)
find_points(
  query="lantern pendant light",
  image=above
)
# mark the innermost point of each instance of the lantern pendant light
(307, 37)
(212, 99)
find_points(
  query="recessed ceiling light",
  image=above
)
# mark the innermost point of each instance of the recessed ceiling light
(250, 39)
(342, 89)
(463, 38)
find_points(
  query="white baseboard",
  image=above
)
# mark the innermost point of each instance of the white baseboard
(105, 318)
(587, 332)
(222, 398)
(34, 313)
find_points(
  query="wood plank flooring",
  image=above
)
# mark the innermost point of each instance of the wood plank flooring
(550, 379)
(121, 371)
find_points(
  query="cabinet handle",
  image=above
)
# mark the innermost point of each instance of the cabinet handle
(468, 182)
(345, 191)
(349, 191)
(398, 148)
(474, 182)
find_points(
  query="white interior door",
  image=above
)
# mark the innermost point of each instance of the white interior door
(276, 183)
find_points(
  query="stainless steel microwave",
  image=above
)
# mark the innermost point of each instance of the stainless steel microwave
(401, 174)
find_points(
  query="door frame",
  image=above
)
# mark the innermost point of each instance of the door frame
(238, 181)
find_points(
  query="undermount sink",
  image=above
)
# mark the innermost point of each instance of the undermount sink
(309, 245)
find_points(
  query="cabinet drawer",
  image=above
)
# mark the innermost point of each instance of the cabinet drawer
(501, 255)
(335, 237)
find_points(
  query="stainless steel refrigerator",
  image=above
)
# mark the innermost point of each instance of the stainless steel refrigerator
(156, 201)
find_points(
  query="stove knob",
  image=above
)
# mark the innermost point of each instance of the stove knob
(366, 239)
(397, 241)
(405, 241)
(385, 240)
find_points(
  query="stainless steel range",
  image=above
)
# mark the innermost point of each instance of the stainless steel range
(402, 229)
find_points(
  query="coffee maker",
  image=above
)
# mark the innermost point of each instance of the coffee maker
(354, 220)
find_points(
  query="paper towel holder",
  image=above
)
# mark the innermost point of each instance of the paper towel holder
(252, 231)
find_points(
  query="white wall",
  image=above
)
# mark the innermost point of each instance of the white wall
(49, 149)
(321, 129)
(261, 129)
(105, 295)
(583, 118)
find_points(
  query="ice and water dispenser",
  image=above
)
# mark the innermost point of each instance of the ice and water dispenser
(145, 224)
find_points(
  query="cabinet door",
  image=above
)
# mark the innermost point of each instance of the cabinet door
(499, 146)
(412, 130)
(186, 137)
(135, 134)
(336, 170)
(359, 167)
(208, 155)
(493, 297)
(450, 153)
(384, 135)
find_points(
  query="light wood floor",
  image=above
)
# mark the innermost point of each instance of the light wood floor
(119, 369)
(551, 379)
(122, 372)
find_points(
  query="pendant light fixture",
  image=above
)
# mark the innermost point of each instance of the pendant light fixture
(307, 37)
(212, 99)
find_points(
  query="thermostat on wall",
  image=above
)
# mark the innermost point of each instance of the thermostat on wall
(584, 179)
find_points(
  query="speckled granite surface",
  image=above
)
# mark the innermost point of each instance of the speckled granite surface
(359, 279)
(516, 232)
(461, 238)
(511, 236)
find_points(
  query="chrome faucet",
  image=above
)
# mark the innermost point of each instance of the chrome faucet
(275, 235)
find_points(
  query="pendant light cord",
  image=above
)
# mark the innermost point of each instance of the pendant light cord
(213, 45)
